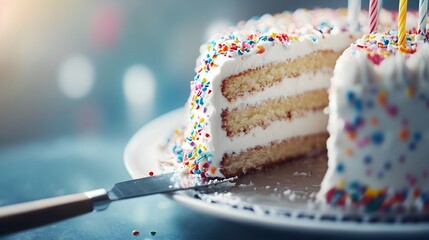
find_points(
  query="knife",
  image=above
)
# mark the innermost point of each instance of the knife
(27, 215)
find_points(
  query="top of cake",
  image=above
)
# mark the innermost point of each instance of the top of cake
(257, 35)
(382, 51)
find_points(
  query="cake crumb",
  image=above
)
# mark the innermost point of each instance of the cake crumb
(303, 174)
(287, 192)
(292, 197)
(246, 185)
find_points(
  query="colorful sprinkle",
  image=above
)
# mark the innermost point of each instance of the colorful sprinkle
(340, 168)
(377, 138)
(372, 199)
(387, 165)
(404, 134)
(373, 120)
(392, 110)
(417, 136)
(367, 160)
(379, 46)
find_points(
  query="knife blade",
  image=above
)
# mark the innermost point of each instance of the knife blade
(27, 215)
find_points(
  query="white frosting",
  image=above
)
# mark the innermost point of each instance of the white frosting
(288, 87)
(378, 157)
(304, 123)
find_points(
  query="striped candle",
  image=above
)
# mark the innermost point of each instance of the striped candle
(402, 19)
(423, 9)
(373, 15)
(353, 11)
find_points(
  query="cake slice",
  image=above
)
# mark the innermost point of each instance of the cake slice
(258, 96)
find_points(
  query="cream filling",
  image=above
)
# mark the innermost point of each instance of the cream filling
(288, 87)
(310, 122)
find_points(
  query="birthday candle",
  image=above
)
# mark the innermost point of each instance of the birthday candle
(402, 18)
(373, 15)
(423, 9)
(353, 10)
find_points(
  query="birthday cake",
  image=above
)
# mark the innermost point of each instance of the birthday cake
(260, 89)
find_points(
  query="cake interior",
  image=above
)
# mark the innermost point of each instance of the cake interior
(260, 157)
(242, 120)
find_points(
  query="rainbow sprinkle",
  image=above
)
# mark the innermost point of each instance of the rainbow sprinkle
(379, 46)
(377, 200)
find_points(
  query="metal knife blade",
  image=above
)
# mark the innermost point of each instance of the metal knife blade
(41, 212)
(142, 187)
(163, 183)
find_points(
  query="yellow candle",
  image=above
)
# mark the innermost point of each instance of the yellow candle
(402, 19)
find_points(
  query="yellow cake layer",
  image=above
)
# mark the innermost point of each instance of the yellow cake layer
(256, 80)
(272, 154)
(242, 120)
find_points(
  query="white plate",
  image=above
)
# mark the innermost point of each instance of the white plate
(279, 199)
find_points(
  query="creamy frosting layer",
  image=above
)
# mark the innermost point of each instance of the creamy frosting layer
(303, 124)
(288, 87)
(378, 125)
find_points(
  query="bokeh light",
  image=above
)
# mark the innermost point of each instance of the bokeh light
(105, 25)
(76, 76)
(139, 85)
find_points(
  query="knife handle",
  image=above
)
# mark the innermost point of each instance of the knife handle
(27, 215)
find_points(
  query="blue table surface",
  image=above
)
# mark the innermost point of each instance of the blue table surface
(70, 165)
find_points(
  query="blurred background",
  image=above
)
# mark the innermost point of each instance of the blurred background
(78, 67)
